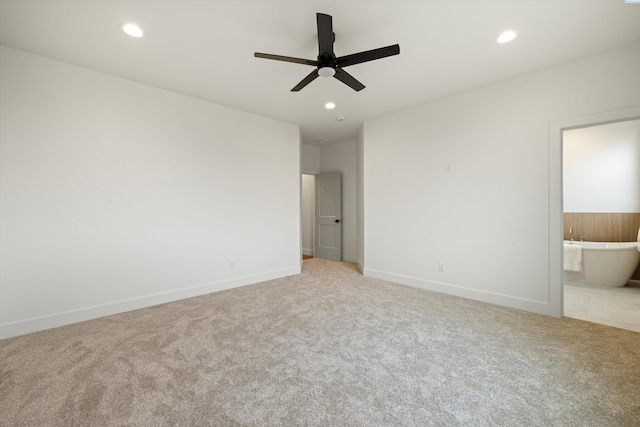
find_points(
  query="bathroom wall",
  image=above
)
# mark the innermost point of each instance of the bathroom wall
(602, 227)
(601, 168)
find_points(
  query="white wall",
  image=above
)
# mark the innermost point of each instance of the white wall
(310, 159)
(601, 167)
(341, 158)
(488, 219)
(308, 213)
(116, 195)
(309, 164)
(360, 259)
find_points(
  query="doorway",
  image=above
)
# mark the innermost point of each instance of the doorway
(308, 212)
(601, 198)
(556, 201)
(321, 216)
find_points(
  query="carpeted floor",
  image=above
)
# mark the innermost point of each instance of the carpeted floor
(324, 348)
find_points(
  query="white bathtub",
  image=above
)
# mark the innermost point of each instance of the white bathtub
(605, 264)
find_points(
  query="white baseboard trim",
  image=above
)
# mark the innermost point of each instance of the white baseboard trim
(474, 294)
(309, 252)
(28, 326)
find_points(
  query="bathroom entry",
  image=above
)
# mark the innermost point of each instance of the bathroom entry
(601, 203)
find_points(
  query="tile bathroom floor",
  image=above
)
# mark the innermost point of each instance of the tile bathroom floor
(618, 307)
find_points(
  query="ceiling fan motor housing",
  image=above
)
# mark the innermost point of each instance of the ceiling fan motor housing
(326, 59)
(327, 64)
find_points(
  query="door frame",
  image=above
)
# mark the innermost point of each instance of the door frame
(304, 171)
(556, 202)
(338, 217)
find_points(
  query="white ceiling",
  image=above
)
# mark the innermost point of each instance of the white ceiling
(205, 48)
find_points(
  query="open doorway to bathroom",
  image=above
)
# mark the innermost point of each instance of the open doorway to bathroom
(601, 203)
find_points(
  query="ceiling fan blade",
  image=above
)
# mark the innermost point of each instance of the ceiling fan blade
(325, 34)
(349, 80)
(369, 55)
(311, 77)
(286, 59)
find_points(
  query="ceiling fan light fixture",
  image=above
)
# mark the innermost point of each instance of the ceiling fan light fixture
(326, 72)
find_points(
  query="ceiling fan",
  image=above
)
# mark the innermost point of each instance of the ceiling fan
(327, 64)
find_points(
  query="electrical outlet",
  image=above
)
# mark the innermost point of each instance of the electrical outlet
(232, 264)
(441, 266)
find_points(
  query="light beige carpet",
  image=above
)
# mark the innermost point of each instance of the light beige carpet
(325, 348)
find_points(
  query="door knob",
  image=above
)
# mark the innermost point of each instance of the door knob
(337, 220)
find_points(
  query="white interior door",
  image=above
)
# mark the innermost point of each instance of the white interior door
(329, 216)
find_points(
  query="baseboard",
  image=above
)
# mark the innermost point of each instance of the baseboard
(309, 252)
(28, 326)
(474, 294)
(360, 265)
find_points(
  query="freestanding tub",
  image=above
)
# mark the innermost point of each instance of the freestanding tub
(605, 263)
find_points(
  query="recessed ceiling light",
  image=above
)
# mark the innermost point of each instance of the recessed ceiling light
(329, 105)
(507, 36)
(133, 30)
